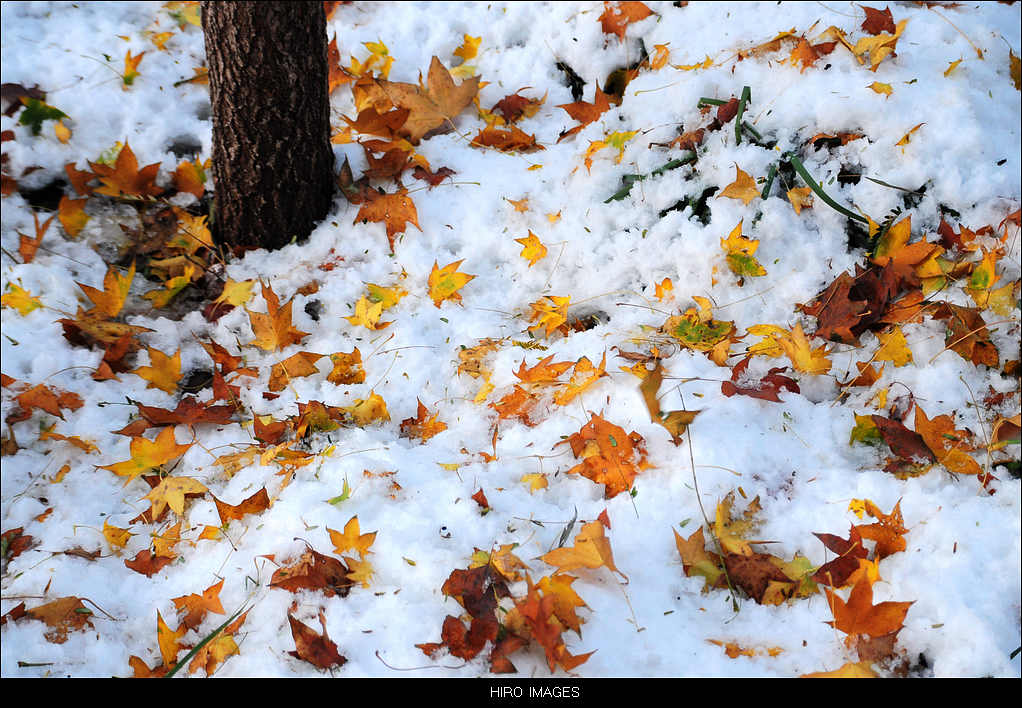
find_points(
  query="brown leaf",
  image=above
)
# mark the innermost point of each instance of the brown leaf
(878, 21)
(313, 571)
(255, 504)
(62, 616)
(317, 649)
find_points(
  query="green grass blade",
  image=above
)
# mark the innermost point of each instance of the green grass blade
(811, 183)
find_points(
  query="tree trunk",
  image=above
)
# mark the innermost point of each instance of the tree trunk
(272, 160)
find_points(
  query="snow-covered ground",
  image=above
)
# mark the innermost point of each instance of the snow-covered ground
(960, 568)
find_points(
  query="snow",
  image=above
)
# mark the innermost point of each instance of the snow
(963, 561)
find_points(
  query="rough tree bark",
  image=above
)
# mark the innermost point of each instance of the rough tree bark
(272, 160)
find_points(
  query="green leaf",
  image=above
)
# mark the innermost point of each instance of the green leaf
(36, 112)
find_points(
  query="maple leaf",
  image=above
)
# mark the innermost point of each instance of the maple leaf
(115, 536)
(888, 531)
(510, 140)
(171, 492)
(42, 397)
(218, 649)
(536, 612)
(27, 247)
(273, 330)
(860, 616)
(767, 388)
(445, 282)
(803, 358)
(696, 329)
(313, 571)
(850, 551)
(149, 563)
(514, 106)
(164, 373)
(743, 188)
(108, 302)
(590, 550)
(295, 366)
(878, 47)
(807, 53)
(188, 412)
(369, 410)
(347, 368)
(317, 649)
(878, 21)
(609, 455)
(146, 455)
(544, 371)
(20, 299)
(352, 539)
(124, 179)
(63, 615)
(197, 606)
(420, 427)
(532, 249)
(861, 669)
(675, 422)
(950, 446)
(395, 210)
(367, 314)
(967, 334)
(585, 113)
(432, 108)
(255, 504)
(740, 252)
(583, 377)
(517, 404)
(617, 16)
(71, 213)
(551, 314)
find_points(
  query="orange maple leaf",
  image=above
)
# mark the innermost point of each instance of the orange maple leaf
(197, 606)
(617, 16)
(609, 455)
(124, 179)
(258, 502)
(743, 188)
(585, 113)
(860, 616)
(295, 366)
(108, 302)
(395, 210)
(273, 330)
(422, 427)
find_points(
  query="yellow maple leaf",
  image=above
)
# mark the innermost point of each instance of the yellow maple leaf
(879, 47)
(893, 347)
(116, 537)
(352, 539)
(704, 64)
(800, 198)
(235, 293)
(388, 297)
(660, 56)
(583, 377)
(796, 345)
(368, 314)
(532, 249)
(146, 455)
(164, 373)
(168, 640)
(20, 299)
(743, 188)
(881, 88)
(359, 571)
(109, 301)
(740, 252)
(469, 48)
(171, 492)
(549, 312)
(369, 410)
(861, 669)
(445, 282)
(535, 481)
(347, 368)
(591, 550)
